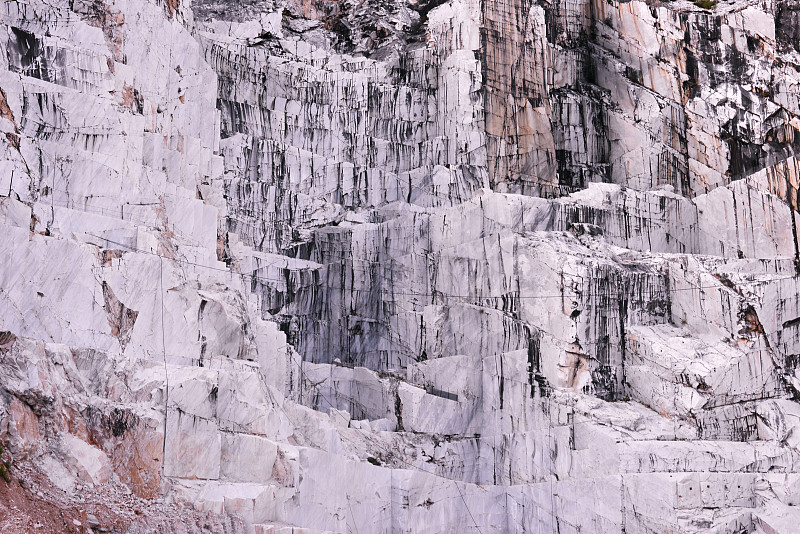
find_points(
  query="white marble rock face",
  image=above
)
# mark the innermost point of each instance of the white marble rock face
(428, 266)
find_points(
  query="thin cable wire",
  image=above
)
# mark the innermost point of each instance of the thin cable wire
(166, 368)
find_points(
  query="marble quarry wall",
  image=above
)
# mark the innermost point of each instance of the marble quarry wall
(431, 266)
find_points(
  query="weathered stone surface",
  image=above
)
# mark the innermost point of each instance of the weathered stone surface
(423, 266)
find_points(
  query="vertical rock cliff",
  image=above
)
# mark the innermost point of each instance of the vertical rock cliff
(424, 266)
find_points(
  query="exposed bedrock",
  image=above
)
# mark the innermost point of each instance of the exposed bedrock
(423, 266)
(531, 98)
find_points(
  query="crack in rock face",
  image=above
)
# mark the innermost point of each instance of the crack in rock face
(120, 318)
(421, 266)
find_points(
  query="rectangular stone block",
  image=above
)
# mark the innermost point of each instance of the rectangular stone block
(192, 448)
(247, 458)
